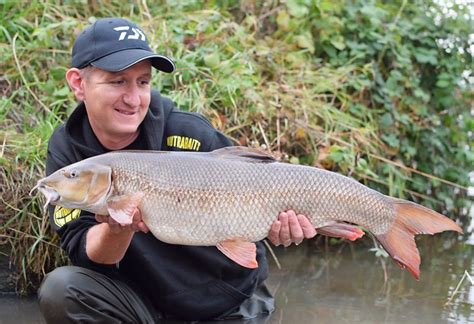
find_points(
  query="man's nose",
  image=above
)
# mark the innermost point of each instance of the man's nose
(132, 96)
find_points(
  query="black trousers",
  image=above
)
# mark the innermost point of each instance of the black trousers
(78, 295)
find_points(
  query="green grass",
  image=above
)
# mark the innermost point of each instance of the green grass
(361, 89)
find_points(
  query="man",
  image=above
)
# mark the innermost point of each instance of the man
(123, 273)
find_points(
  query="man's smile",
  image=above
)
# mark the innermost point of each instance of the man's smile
(125, 112)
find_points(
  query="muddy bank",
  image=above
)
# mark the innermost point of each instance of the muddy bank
(7, 284)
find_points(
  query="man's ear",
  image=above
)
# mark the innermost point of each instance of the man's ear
(74, 79)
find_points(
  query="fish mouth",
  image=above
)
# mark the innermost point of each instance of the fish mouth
(51, 195)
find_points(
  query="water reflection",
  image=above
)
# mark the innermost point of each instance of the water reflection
(345, 283)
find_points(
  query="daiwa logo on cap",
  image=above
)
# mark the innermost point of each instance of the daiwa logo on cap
(137, 33)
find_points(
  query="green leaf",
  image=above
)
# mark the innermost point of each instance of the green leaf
(58, 73)
(283, 20)
(419, 93)
(305, 41)
(338, 43)
(297, 8)
(62, 92)
(294, 160)
(443, 83)
(423, 55)
(212, 60)
(386, 121)
(391, 139)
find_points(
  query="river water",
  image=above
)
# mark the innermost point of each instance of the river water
(320, 282)
(346, 284)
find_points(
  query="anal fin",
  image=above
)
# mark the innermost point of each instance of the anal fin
(240, 251)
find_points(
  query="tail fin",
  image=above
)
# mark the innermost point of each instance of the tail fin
(412, 219)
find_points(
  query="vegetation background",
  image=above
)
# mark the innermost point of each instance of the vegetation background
(378, 90)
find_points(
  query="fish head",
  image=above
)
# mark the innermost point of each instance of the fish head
(80, 185)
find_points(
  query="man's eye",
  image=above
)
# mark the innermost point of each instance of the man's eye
(144, 82)
(117, 82)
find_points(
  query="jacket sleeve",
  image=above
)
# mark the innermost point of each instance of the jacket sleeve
(71, 225)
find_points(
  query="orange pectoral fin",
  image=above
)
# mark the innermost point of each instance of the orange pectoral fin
(121, 208)
(240, 251)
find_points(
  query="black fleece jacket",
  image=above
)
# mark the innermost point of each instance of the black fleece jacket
(186, 282)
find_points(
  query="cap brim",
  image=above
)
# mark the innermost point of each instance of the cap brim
(121, 60)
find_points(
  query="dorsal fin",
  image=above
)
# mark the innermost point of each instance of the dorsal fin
(242, 152)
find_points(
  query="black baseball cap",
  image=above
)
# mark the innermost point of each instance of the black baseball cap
(114, 44)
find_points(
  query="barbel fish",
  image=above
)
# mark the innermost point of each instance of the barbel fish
(230, 197)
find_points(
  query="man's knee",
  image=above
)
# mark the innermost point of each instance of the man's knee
(72, 294)
(55, 290)
(55, 283)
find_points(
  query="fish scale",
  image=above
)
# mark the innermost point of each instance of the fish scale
(200, 200)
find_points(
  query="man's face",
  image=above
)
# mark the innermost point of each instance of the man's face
(117, 102)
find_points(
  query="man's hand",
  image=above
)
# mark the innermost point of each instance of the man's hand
(290, 228)
(107, 242)
(137, 224)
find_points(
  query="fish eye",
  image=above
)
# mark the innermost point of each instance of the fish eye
(70, 174)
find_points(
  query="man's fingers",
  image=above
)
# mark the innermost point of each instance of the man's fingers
(105, 219)
(308, 229)
(137, 223)
(285, 235)
(136, 216)
(142, 227)
(290, 228)
(296, 232)
(274, 234)
(101, 218)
